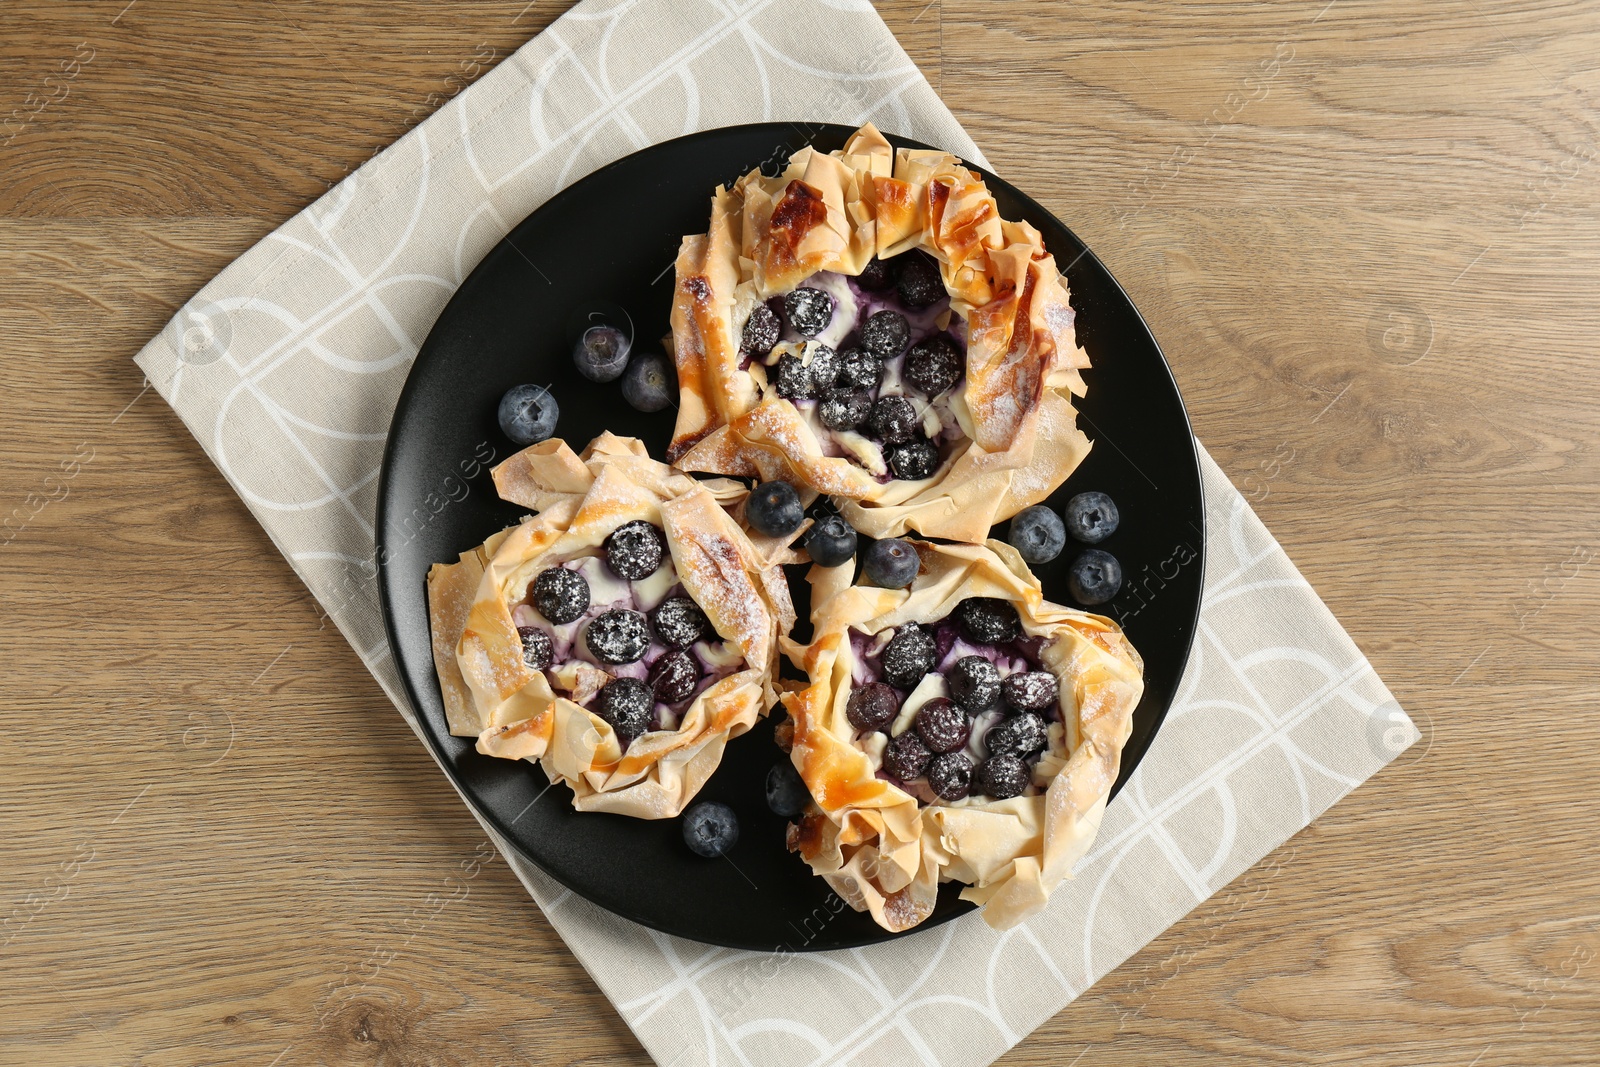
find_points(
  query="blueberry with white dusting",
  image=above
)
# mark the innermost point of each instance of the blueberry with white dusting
(626, 704)
(909, 656)
(942, 726)
(808, 310)
(988, 620)
(906, 756)
(872, 706)
(844, 409)
(618, 636)
(885, 334)
(761, 330)
(974, 683)
(1030, 690)
(560, 595)
(634, 550)
(674, 676)
(1001, 777)
(920, 283)
(1020, 735)
(679, 622)
(823, 362)
(875, 275)
(950, 775)
(792, 379)
(858, 370)
(913, 460)
(893, 419)
(537, 651)
(933, 366)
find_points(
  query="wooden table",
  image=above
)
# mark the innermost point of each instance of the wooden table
(1367, 236)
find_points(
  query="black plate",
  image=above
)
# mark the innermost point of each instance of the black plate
(613, 236)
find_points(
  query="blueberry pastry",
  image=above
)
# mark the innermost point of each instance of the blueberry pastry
(963, 729)
(620, 636)
(865, 324)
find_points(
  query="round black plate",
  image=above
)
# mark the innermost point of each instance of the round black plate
(613, 236)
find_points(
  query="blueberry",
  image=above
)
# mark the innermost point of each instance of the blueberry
(528, 414)
(634, 550)
(1002, 777)
(1019, 736)
(908, 656)
(942, 726)
(602, 353)
(1031, 690)
(808, 310)
(885, 334)
(920, 283)
(844, 409)
(893, 419)
(1038, 534)
(875, 276)
(560, 595)
(679, 622)
(890, 563)
(710, 829)
(906, 756)
(537, 651)
(933, 366)
(617, 636)
(950, 776)
(912, 460)
(773, 509)
(626, 703)
(1091, 517)
(824, 365)
(650, 383)
(987, 620)
(974, 683)
(1094, 577)
(761, 330)
(787, 794)
(792, 379)
(831, 541)
(674, 676)
(872, 706)
(858, 370)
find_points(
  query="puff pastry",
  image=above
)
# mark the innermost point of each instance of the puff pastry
(574, 673)
(759, 353)
(884, 844)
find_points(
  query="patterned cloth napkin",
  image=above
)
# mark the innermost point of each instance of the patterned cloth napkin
(287, 366)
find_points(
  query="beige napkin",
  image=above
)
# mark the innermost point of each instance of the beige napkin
(286, 369)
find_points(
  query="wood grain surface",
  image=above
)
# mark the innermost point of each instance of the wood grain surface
(1367, 236)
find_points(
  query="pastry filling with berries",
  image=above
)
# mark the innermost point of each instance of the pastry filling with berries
(875, 364)
(615, 632)
(959, 707)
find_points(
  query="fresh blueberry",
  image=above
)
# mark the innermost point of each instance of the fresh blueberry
(537, 651)
(920, 283)
(1038, 534)
(913, 460)
(773, 509)
(942, 726)
(650, 383)
(1092, 517)
(909, 656)
(618, 636)
(890, 563)
(933, 366)
(602, 353)
(950, 775)
(528, 414)
(787, 794)
(626, 703)
(872, 706)
(824, 363)
(634, 551)
(1002, 777)
(906, 757)
(679, 622)
(858, 370)
(893, 419)
(844, 409)
(808, 310)
(1094, 577)
(710, 829)
(560, 595)
(1020, 735)
(1030, 690)
(885, 334)
(875, 276)
(988, 620)
(674, 676)
(792, 379)
(761, 330)
(831, 541)
(974, 683)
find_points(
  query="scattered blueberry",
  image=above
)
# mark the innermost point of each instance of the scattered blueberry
(831, 541)
(908, 657)
(808, 310)
(974, 683)
(933, 366)
(773, 509)
(710, 828)
(602, 353)
(920, 283)
(1002, 777)
(988, 620)
(875, 275)
(1094, 577)
(844, 409)
(1030, 690)
(893, 419)
(885, 334)
(626, 703)
(913, 460)
(942, 726)
(1038, 534)
(617, 636)
(906, 757)
(679, 622)
(824, 365)
(560, 595)
(787, 794)
(528, 414)
(650, 383)
(1092, 517)
(950, 775)
(1019, 736)
(537, 651)
(674, 676)
(858, 370)
(792, 379)
(761, 330)
(634, 550)
(890, 563)
(872, 706)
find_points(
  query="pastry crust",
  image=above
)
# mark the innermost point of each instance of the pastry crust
(870, 839)
(835, 212)
(491, 694)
